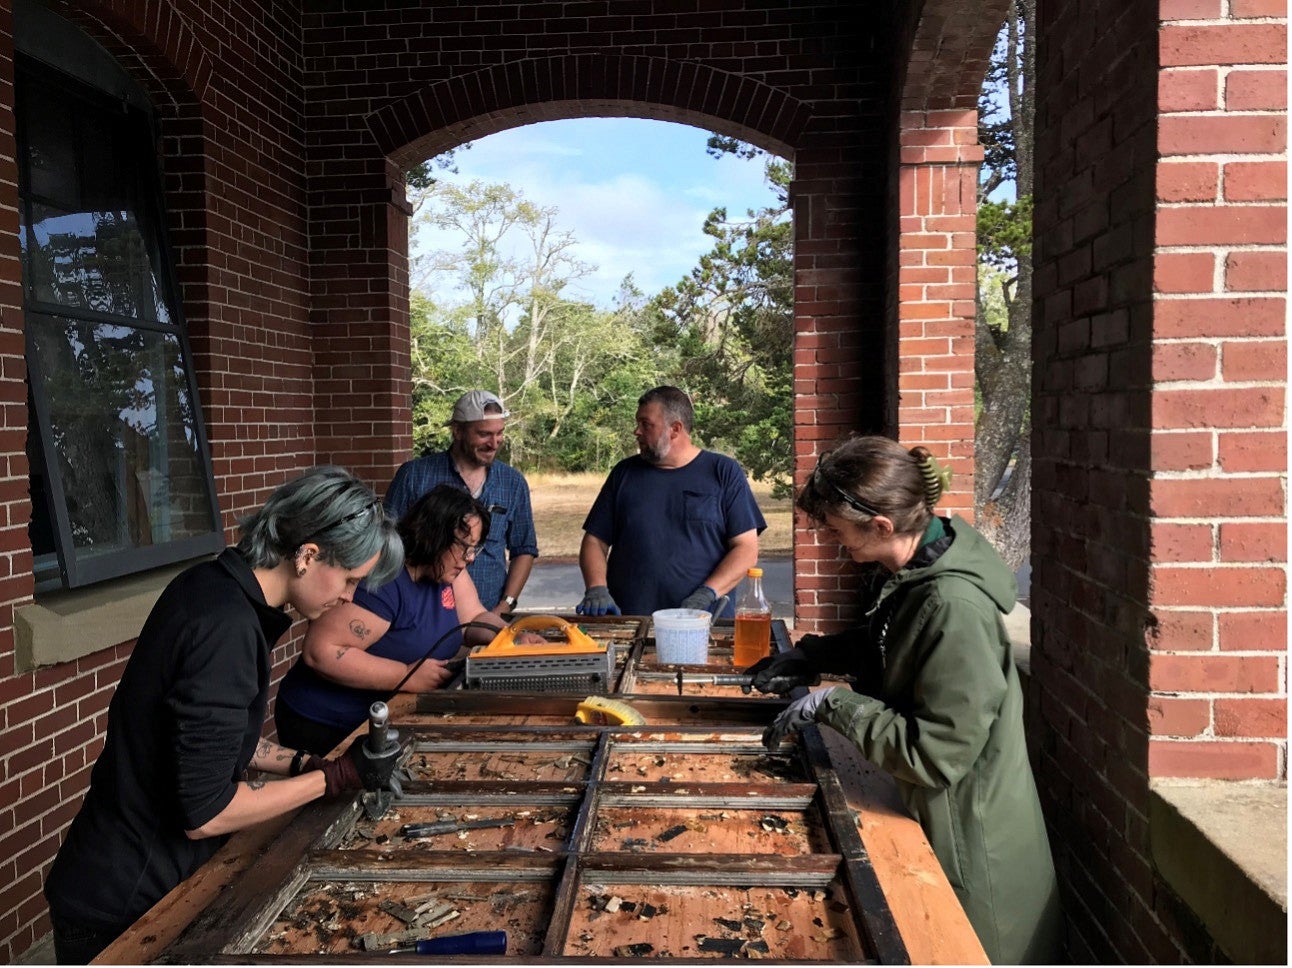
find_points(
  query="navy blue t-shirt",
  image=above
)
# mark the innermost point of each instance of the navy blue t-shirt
(419, 614)
(668, 528)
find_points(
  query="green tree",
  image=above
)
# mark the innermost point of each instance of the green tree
(443, 367)
(730, 323)
(500, 319)
(1003, 342)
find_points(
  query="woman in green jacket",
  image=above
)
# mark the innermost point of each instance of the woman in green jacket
(936, 700)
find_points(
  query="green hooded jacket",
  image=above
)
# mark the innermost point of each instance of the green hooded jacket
(938, 706)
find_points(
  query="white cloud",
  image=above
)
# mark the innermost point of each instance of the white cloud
(633, 193)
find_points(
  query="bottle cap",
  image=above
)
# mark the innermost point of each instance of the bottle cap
(755, 573)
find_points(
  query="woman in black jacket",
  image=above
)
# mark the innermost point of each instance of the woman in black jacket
(185, 722)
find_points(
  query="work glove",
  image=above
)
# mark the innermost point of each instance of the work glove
(705, 599)
(377, 770)
(795, 717)
(597, 601)
(782, 672)
(359, 768)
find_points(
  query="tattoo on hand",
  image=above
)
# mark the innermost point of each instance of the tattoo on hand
(360, 630)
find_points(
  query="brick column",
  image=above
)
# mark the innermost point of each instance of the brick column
(1218, 576)
(936, 284)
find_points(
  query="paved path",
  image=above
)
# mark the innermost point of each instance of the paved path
(558, 586)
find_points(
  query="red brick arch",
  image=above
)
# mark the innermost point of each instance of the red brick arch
(471, 106)
(153, 33)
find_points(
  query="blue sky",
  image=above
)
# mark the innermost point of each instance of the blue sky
(634, 193)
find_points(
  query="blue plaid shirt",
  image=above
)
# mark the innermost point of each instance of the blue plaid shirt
(505, 494)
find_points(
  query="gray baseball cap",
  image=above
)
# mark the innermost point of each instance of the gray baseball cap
(471, 406)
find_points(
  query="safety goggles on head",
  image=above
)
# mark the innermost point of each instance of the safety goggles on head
(821, 482)
(374, 503)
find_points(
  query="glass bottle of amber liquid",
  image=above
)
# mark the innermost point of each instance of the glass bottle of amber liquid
(753, 623)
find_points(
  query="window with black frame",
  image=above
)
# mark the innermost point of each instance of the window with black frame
(120, 471)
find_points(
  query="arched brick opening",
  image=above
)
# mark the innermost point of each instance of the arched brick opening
(475, 105)
(839, 388)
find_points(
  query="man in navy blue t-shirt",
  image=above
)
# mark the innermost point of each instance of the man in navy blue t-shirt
(674, 526)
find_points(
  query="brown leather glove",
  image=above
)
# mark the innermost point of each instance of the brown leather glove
(341, 774)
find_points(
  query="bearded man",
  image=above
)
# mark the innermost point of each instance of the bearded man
(478, 425)
(674, 526)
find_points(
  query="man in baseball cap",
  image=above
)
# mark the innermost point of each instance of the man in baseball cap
(502, 565)
(476, 405)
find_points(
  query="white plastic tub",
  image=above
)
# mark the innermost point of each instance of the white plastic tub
(681, 636)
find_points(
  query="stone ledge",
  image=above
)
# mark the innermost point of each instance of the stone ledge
(67, 625)
(1222, 846)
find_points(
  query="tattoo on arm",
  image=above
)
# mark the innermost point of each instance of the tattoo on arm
(360, 630)
(257, 783)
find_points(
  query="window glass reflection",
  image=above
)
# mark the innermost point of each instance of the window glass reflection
(123, 427)
(99, 261)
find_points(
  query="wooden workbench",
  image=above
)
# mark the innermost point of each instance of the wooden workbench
(916, 917)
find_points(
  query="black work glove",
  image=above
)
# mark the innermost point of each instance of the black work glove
(783, 672)
(376, 771)
(705, 599)
(597, 601)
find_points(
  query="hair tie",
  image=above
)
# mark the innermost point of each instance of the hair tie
(937, 479)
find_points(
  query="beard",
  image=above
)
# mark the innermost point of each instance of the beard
(656, 452)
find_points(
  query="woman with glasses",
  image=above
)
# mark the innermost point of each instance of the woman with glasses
(186, 719)
(935, 699)
(400, 636)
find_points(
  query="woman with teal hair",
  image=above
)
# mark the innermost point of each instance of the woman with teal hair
(186, 719)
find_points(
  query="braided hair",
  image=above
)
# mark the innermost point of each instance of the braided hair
(869, 476)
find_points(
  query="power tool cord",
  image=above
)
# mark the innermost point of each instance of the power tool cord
(435, 645)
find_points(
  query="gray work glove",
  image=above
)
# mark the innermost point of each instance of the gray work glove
(705, 599)
(597, 601)
(783, 672)
(795, 717)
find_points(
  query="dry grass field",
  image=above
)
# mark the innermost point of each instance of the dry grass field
(561, 502)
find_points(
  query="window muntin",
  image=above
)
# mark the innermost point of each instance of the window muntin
(118, 449)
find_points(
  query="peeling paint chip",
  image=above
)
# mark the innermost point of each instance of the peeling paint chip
(639, 950)
(730, 947)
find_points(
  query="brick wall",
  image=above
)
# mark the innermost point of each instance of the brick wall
(1218, 586)
(1158, 599)
(227, 86)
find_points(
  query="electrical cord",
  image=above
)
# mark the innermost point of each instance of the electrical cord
(435, 645)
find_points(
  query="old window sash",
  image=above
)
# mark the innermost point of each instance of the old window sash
(120, 467)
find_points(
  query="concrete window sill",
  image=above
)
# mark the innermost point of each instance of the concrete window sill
(66, 626)
(1222, 846)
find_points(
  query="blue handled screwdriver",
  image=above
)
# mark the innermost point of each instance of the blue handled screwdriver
(471, 943)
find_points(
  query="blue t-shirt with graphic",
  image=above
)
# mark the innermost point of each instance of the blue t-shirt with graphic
(422, 616)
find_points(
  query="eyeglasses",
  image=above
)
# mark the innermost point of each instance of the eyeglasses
(375, 502)
(469, 551)
(820, 481)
